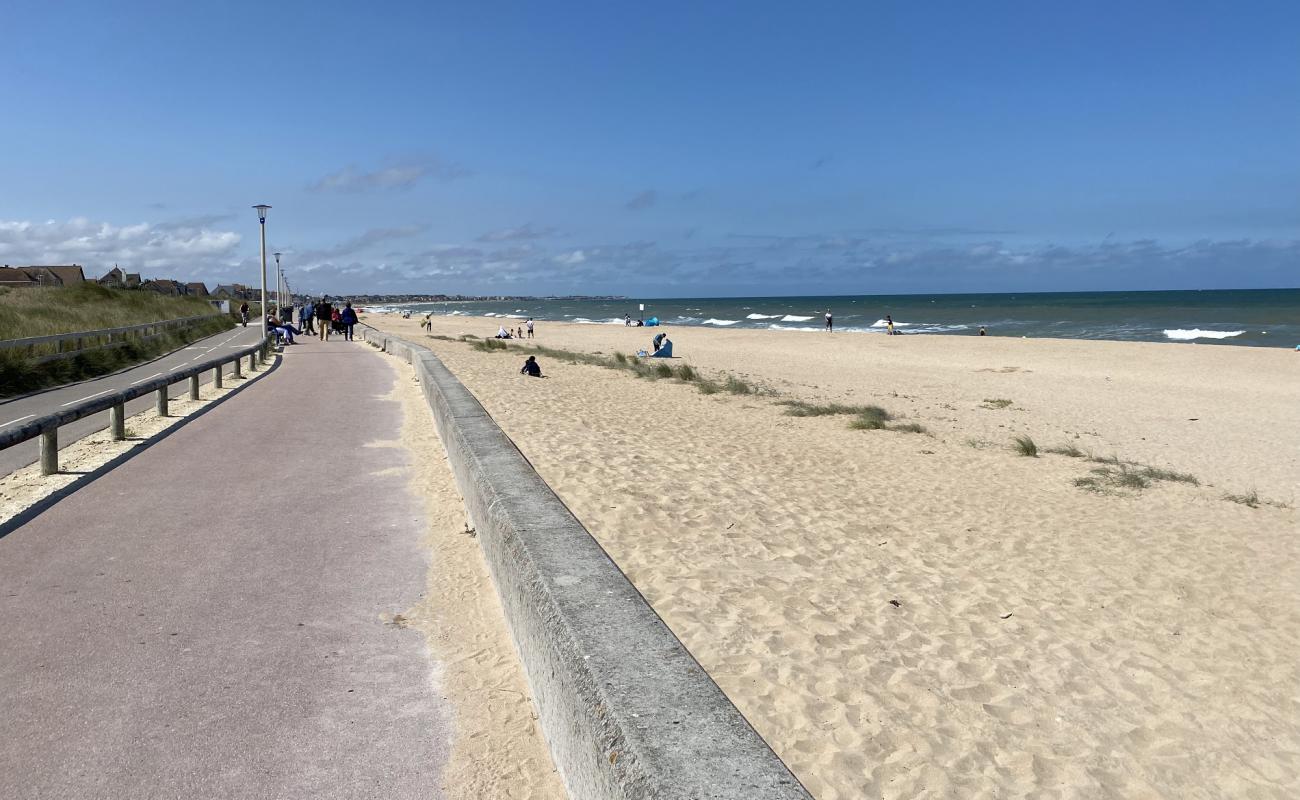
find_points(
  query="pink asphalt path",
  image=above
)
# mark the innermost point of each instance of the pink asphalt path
(207, 619)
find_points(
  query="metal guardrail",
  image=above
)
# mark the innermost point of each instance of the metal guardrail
(57, 340)
(47, 426)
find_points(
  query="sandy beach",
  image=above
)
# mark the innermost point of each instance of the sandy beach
(931, 614)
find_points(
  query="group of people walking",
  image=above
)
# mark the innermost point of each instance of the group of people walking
(320, 318)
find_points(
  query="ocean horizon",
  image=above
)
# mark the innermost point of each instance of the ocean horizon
(1247, 317)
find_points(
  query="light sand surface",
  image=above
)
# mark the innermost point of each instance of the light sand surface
(497, 749)
(1046, 642)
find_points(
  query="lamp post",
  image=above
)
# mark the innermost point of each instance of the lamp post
(279, 288)
(261, 210)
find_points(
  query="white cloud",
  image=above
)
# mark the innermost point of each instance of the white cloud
(165, 250)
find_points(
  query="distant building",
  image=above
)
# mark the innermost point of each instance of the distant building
(197, 289)
(164, 286)
(115, 278)
(69, 276)
(132, 280)
(31, 277)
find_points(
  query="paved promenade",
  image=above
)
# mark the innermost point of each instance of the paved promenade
(208, 619)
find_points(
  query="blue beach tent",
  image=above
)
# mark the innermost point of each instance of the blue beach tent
(666, 351)
(653, 321)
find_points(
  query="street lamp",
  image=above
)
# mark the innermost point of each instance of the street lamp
(261, 210)
(279, 288)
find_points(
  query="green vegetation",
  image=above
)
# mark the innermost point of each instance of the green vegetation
(1066, 450)
(1025, 446)
(870, 418)
(88, 306)
(996, 403)
(1161, 474)
(685, 373)
(1250, 499)
(663, 371)
(908, 427)
(737, 386)
(799, 408)
(489, 345)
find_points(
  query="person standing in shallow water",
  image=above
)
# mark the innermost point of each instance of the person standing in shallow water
(830, 322)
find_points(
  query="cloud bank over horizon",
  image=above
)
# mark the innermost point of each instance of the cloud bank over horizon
(530, 259)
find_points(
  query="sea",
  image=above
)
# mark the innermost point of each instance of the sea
(1250, 317)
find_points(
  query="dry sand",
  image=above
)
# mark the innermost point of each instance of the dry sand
(906, 615)
(497, 748)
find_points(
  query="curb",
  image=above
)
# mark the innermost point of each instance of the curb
(625, 708)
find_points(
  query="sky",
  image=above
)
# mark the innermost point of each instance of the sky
(658, 149)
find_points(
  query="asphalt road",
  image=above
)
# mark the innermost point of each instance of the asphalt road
(49, 401)
(214, 619)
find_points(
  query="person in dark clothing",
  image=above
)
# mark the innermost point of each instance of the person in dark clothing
(531, 368)
(305, 316)
(349, 318)
(243, 313)
(658, 340)
(323, 312)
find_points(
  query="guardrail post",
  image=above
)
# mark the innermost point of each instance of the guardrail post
(117, 421)
(252, 362)
(216, 377)
(194, 387)
(50, 451)
(160, 401)
(238, 368)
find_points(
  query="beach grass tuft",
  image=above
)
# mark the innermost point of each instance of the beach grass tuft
(1162, 474)
(663, 371)
(686, 373)
(1066, 450)
(489, 345)
(1249, 499)
(737, 386)
(1025, 446)
(619, 358)
(442, 338)
(909, 427)
(800, 408)
(870, 418)
(707, 386)
(996, 402)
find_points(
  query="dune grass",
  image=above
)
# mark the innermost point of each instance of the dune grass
(996, 402)
(800, 408)
(1023, 445)
(1067, 450)
(908, 427)
(88, 306)
(1249, 499)
(490, 345)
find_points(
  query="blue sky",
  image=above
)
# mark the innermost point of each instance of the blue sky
(659, 149)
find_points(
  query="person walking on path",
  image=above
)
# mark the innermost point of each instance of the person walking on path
(529, 325)
(830, 322)
(305, 315)
(323, 311)
(349, 318)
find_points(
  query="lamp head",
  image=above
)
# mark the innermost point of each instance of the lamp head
(261, 210)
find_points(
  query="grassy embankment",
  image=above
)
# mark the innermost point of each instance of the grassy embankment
(44, 312)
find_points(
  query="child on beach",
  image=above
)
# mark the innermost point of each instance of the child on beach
(531, 368)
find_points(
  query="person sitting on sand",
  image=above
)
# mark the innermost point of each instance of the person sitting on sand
(983, 332)
(502, 333)
(531, 368)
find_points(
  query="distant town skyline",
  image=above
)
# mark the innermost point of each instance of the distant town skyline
(672, 150)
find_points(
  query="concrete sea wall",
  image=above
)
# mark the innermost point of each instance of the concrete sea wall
(626, 710)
